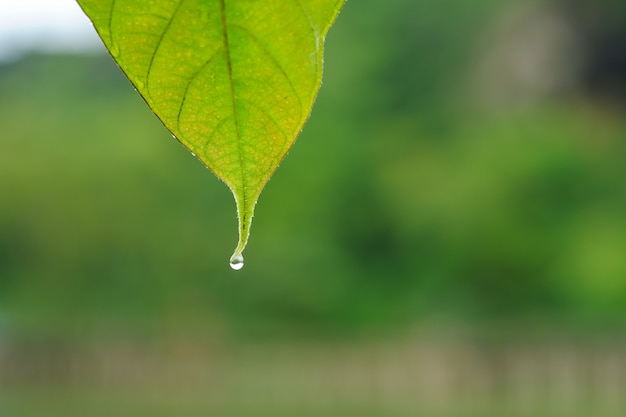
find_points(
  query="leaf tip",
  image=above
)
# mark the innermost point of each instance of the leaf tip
(245, 212)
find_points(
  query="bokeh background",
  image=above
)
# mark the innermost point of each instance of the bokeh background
(447, 236)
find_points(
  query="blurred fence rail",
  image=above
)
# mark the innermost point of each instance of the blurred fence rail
(434, 377)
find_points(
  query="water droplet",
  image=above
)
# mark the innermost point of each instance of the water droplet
(236, 262)
(140, 84)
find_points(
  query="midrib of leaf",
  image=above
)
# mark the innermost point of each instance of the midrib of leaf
(243, 214)
(261, 120)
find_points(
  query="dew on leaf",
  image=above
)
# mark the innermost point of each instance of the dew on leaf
(139, 84)
(236, 262)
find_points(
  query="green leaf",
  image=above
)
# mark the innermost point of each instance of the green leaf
(233, 80)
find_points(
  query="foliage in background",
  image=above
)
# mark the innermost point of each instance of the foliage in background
(429, 203)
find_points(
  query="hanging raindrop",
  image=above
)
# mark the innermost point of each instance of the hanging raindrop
(236, 262)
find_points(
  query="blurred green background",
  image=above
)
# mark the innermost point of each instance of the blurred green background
(460, 184)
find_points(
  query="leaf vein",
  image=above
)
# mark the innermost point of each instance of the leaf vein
(269, 116)
(159, 43)
(190, 81)
(212, 134)
(276, 63)
(109, 23)
(311, 24)
(229, 64)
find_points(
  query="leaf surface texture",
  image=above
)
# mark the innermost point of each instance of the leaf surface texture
(233, 80)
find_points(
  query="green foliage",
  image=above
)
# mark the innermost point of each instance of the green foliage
(234, 81)
(424, 208)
